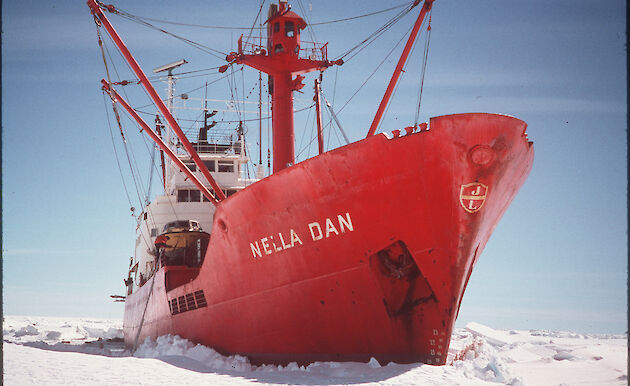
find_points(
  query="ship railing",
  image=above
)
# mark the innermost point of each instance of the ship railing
(314, 51)
(217, 148)
(308, 50)
(217, 143)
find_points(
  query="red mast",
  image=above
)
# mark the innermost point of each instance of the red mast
(281, 60)
(98, 14)
(399, 67)
(163, 146)
(318, 116)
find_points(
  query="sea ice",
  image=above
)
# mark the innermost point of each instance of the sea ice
(41, 350)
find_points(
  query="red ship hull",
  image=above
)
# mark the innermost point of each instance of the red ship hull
(364, 251)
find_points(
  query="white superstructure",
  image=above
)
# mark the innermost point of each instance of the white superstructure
(226, 160)
(223, 152)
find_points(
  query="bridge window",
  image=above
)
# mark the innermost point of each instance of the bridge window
(289, 29)
(188, 195)
(276, 27)
(191, 165)
(209, 164)
(226, 166)
(182, 195)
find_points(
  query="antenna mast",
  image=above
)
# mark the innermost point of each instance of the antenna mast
(170, 90)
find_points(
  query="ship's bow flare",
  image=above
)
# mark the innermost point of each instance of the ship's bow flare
(487, 158)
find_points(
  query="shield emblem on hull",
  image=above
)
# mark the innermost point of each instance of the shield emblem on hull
(472, 196)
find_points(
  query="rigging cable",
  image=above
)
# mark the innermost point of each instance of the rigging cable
(424, 67)
(100, 44)
(334, 116)
(189, 91)
(336, 136)
(369, 40)
(117, 115)
(243, 89)
(116, 153)
(399, 82)
(311, 32)
(334, 95)
(360, 16)
(230, 81)
(129, 155)
(249, 35)
(397, 85)
(249, 28)
(306, 147)
(267, 118)
(125, 144)
(199, 46)
(373, 72)
(376, 34)
(160, 77)
(259, 110)
(151, 165)
(308, 117)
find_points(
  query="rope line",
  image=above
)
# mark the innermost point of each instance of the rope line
(133, 166)
(376, 34)
(360, 16)
(249, 35)
(199, 46)
(374, 72)
(163, 21)
(122, 177)
(424, 67)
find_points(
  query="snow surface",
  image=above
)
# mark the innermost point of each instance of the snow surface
(84, 351)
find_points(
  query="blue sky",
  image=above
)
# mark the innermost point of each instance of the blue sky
(558, 258)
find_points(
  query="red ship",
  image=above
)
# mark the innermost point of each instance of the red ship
(362, 251)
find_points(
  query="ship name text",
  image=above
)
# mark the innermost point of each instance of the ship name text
(315, 230)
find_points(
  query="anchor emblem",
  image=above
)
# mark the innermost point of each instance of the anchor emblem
(472, 196)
